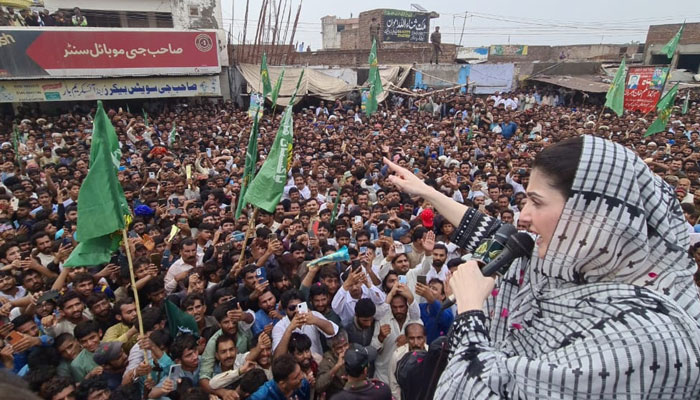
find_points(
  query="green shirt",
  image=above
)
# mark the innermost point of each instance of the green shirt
(82, 365)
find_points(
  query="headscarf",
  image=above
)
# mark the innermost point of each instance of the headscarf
(611, 310)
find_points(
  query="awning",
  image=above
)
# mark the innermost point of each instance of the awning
(584, 83)
(17, 3)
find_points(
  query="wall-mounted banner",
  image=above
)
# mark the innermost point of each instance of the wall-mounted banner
(108, 89)
(405, 26)
(86, 52)
(643, 87)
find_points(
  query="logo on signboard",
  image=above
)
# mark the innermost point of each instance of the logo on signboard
(203, 42)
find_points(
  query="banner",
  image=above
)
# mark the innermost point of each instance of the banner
(508, 50)
(257, 105)
(643, 87)
(108, 89)
(405, 26)
(93, 52)
(472, 53)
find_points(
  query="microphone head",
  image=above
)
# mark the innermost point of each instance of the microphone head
(520, 244)
(503, 233)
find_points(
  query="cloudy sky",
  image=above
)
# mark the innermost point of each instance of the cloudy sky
(545, 22)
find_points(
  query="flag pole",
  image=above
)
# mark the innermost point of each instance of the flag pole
(251, 226)
(133, 287)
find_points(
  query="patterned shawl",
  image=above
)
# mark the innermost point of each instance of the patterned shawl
(612, 308)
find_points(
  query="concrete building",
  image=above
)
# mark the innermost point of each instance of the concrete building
(687, 53)
(339, 33)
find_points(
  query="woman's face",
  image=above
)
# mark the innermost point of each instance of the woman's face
(542, 210)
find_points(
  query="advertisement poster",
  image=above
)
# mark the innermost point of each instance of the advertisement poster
(643, 87)
(54, 53)
(405, 26)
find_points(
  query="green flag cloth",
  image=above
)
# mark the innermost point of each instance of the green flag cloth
(265, 77)
(251, 158)
(615, 98)
(670, 48)
(173, 135)
(276, 89)
(663, 111)
(266, 189)
(685, 103)
(145, 117)
(179, 321)
(375, 81)
(15, 143)
(334, 213)
(101, 203)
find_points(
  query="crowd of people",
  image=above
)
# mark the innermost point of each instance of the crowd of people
(269, 325)
(41, 17)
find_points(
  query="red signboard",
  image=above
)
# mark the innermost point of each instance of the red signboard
(643, 87)
(94, 52)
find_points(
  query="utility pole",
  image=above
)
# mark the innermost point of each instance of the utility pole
(463, 24)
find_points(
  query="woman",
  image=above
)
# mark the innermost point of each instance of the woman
(605, 308)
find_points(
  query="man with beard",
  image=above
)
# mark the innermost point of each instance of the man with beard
(310, 323)
(415, 341)
(101, 310)
(288, 382)
(361, 329)
(71, 314)
(356, 286)
(331, 371)
(300, 348)
(267, 314)
(320, 300)
(439, 269)
(125, 331)
(178, 271)
(43, 245)
(234, 322)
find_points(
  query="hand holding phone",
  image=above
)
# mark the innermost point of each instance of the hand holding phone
(302, 308)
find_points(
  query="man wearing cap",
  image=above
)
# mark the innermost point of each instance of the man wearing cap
(357, 361)
(113, 360)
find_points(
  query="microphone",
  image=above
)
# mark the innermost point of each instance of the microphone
(492, 247)
(518, 245)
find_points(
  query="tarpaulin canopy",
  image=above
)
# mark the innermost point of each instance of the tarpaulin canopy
(17, 3)
(584, 83)
(316, 83)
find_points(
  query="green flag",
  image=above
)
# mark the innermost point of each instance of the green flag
(173, 135)
(375, 81)
(685, 103)
(276, 90)
(145, 117)
(101, 203)
(334, 213)
(179, 321)
(615, 98)
(15, 143)
(251, 158)
(266, 189)
(663, 111)
(265, 77)
(670, 48)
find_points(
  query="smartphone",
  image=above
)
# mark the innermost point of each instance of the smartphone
(176, 202)
(387, 232)
(272, 236)
(260, 275)
(402, 279)
(209, 153)
(66, 241)
(358, 219)
(161, 202)
(363, 249)
(151, 175)
(175, 369)
(175, 211)
(407, 249)
(156, 258)
(302, 308)
(14, 338)
(415, 171)
(238, 237)
(422, 279)
(399, 248)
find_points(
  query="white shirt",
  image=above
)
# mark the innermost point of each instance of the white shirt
(344, 305)
(312, 331)
(176, 269)
(386, 349)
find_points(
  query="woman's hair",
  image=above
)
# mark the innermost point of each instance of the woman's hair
(559, 162)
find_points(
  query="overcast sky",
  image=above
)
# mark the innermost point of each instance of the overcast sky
(545, 22)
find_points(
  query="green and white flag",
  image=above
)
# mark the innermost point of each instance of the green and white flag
(670, 48)
(102, 207)
(265, 77)
(663, 111)
(375, 81)
(266, 189)
(251, 158)
(615, 99)
(276, 90)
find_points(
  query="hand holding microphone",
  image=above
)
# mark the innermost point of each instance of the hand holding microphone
(470, 283)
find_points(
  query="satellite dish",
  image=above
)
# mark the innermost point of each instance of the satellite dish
(418, 7)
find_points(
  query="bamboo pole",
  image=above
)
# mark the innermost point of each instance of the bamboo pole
(245, 30)
(251, 226)
(294, 31)
(133, 287)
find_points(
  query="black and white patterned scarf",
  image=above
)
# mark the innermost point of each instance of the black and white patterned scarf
(610, 311)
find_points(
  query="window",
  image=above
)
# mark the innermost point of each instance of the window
(194, 11)
(660, 59)
(340, 28)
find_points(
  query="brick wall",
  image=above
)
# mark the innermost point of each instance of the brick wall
(416, 53)
(661, 34)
